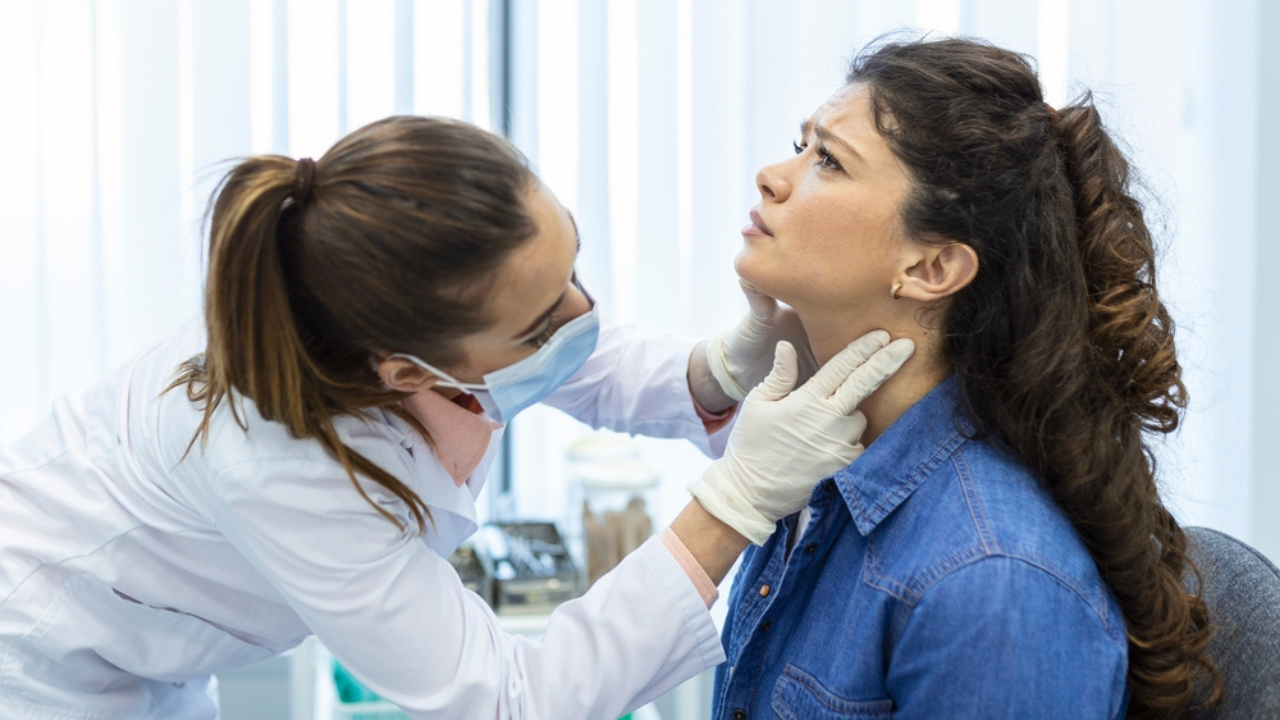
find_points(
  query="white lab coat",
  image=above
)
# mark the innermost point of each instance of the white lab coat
(129, 575)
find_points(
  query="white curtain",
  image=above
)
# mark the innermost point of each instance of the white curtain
(118, 117)
(648, 118)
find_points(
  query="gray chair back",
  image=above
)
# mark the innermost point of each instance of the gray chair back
(1242, 589)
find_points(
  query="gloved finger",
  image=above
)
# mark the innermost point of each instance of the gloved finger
(808, 363)
(761, 305)
(830, 376)
(853, 429)
(867, 378)
(783, 376)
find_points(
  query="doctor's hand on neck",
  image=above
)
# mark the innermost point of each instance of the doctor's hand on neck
(911, 306)
(725, 368)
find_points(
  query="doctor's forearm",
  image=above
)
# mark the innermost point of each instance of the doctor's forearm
(713, 544)
(703, 386)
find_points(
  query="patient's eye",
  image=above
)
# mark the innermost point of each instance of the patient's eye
(798, 147)
(827, 160)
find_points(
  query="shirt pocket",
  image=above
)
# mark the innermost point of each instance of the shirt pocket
(797, 695)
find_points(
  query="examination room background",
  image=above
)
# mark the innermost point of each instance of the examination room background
(649, 119)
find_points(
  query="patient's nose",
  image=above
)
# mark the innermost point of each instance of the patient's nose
(773, 183)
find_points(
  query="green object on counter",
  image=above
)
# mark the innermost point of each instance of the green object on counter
(351, 690)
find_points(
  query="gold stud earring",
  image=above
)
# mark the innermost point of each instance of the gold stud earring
(896, 288)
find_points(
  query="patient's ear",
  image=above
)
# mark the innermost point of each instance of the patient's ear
(934, 272)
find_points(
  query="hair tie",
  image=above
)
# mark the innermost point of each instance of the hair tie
(303, 178)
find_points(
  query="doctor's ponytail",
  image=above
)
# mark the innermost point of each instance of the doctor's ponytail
(384, 244)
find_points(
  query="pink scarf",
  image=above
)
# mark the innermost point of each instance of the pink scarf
(461, 433)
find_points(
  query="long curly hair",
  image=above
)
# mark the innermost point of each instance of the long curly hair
(1064, 352)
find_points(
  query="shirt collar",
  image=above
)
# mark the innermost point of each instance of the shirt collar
(459, 437)
(904, 456)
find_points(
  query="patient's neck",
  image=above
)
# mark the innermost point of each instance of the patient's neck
(829, 334)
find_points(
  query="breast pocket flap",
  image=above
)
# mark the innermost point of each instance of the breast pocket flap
(797, 695)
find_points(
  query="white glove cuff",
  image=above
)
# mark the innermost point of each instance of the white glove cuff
(720, 369)
(732, 510)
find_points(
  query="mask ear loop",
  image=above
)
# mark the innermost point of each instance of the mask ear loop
(443, 378)
(448, 380)
(894, 292)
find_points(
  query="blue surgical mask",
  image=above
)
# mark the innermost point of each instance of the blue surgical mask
(507, 391)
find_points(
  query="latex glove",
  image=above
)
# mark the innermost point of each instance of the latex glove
(784, 442)
(741, 358)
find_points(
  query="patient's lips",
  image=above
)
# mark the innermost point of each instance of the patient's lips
(757, 226)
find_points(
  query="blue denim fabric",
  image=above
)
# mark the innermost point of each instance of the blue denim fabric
(935, 579)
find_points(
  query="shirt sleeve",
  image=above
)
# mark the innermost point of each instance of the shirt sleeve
(637, 382)
(395, 614)
(1003, 638)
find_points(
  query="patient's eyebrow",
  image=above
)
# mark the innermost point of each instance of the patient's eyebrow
(826, 136)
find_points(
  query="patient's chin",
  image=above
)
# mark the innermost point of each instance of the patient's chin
(758, 273)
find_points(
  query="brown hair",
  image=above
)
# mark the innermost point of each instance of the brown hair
(387, 243)
(1062, 348)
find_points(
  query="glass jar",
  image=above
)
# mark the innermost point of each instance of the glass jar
(612, 498)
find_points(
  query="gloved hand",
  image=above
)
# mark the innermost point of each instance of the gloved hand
(740, 358)
(785, 442)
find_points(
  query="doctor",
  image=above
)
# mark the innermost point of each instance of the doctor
(305, 457)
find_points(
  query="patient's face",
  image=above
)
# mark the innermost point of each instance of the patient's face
(831, 231)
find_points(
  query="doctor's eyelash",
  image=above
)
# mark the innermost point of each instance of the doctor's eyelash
(541, 338)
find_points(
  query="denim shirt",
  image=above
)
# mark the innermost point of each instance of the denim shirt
(934, 579)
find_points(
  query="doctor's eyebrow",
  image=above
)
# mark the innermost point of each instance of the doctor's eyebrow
(576, 233)
(827, 137)
(542, 319)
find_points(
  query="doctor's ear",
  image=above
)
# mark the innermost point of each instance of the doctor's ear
(403, 375)
(935, 272)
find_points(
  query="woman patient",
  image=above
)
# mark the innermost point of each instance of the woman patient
(1001, 549)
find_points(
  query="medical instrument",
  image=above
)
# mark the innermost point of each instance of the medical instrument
(518, 566)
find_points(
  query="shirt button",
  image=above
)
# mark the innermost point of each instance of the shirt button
(764, 590)
(764, 626)
(739, 714)
(810, 547)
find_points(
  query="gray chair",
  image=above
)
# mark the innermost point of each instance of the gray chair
(1242, 589)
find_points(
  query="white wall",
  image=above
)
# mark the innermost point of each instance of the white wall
(1266, 290)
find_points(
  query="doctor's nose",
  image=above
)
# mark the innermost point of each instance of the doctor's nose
(578, 302)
